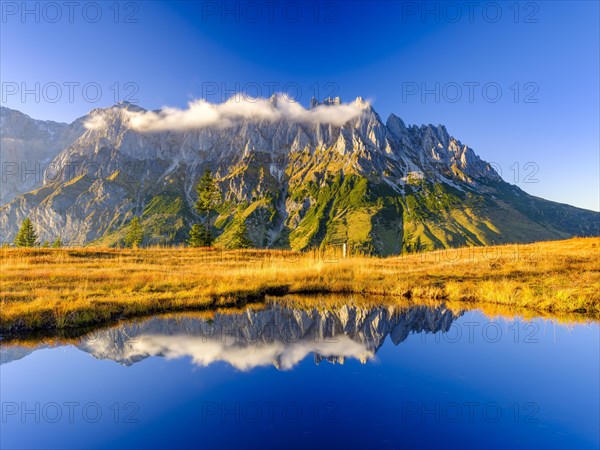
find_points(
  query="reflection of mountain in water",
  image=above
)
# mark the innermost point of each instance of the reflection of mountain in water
(9, 353)
(279, 336)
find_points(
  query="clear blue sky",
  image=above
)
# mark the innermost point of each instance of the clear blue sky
(543, 56)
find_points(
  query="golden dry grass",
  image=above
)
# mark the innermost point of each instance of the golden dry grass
(61, 288)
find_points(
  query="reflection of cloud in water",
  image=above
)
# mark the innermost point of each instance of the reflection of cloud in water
(205, 352)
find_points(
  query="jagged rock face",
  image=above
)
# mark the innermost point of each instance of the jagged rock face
(379, 187)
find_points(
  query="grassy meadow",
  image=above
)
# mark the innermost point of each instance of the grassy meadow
(45, 289)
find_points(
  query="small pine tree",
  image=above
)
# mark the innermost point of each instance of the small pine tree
(199, 236)
(135, 234)
(418, 245)
(208, 194)
(26, 237)
(57, 243)
(209, 197)
(45, 244)
(240, 238)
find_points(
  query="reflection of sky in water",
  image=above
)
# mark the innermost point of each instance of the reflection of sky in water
(197, 396)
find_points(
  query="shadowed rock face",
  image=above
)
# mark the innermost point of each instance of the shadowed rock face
(279, 336)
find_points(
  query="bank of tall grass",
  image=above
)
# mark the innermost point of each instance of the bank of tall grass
(72, 287)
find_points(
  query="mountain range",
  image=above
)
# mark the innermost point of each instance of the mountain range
(299, 178)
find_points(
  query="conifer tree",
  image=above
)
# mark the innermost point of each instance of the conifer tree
(199, 236)
(240, 238)
(26, 237)
(209, 197)
(135, 234)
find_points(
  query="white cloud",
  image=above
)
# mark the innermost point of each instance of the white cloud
(96, 122)
(200, 114)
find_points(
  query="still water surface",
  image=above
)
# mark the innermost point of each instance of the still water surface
(275, 377)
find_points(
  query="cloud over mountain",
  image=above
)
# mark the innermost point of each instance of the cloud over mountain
(202, 114)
